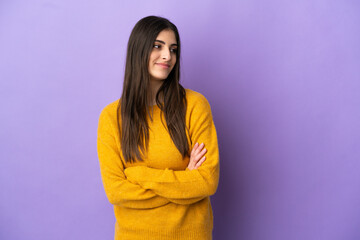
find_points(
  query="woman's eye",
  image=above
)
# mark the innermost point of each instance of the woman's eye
(173, 50)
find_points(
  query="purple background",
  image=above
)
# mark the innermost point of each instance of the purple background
(283, 80)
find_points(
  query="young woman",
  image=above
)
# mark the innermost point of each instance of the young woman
(151, 143)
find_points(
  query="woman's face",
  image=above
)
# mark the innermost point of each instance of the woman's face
(163, 55)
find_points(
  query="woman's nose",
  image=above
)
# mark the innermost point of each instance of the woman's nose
(166, 54)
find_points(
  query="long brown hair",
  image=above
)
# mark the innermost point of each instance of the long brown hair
(133, 106)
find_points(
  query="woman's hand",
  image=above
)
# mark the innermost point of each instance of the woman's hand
(197, 156)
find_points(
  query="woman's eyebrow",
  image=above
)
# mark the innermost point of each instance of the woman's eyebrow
(174, 44)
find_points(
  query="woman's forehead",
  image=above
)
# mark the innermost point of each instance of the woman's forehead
(167, 36)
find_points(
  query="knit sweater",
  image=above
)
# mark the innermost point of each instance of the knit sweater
(160, 198)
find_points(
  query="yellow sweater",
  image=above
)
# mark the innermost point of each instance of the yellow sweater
(161, 198)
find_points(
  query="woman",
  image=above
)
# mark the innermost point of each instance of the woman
(159, 188)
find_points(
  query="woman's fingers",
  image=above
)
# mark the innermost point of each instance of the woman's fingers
(193, 151)
(199, 153)
(203, 151)
(197, 156)
(198, 149)
(198, 164)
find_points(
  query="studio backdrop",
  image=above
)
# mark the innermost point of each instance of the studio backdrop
(282, 79)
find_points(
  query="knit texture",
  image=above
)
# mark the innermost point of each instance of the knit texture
(160, 198)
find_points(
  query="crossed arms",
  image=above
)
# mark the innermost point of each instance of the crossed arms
(143, 187)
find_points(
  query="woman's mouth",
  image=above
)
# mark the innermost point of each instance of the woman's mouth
(163, 65)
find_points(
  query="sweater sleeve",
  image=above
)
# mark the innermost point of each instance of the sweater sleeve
(186, 184)
(118, 189)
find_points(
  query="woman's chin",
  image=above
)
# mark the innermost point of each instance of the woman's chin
(158, 78)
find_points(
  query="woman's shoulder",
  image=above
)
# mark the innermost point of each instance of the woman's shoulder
(197, 102)
(110, 109)
(194, 96)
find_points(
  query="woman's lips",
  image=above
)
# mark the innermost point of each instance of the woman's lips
(163, 65)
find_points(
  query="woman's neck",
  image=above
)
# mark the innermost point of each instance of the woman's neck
(154, 88)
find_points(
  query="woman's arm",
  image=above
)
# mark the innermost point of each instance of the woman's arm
(118, 189)
(186, 184)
